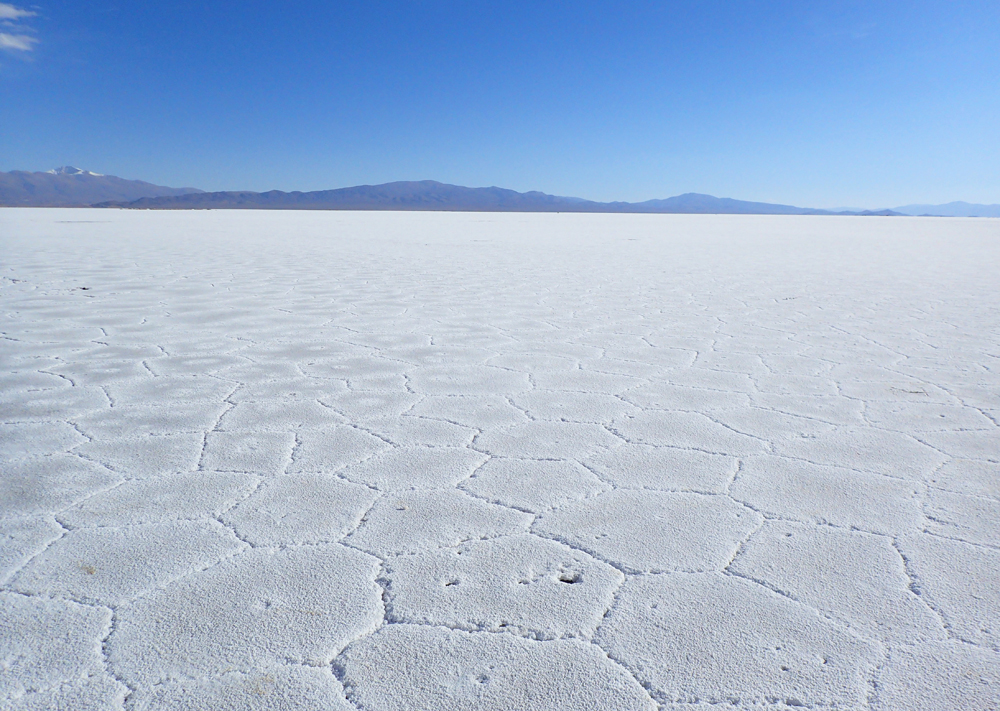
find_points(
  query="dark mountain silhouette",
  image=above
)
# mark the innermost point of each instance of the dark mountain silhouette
(422, 195)
(69, 186)
(432, 195)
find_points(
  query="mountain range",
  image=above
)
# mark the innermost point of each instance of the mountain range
(432, 195)
(70, 186)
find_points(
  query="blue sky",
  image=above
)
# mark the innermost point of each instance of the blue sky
(823, 104)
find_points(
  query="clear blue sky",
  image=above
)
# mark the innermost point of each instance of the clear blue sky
(823, 104)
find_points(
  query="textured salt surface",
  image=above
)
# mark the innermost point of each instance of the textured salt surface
(471, 461)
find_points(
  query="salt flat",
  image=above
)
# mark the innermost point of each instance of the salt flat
(326, 460)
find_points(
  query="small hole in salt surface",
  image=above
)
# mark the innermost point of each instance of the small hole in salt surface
(784, 668)
(451, 582)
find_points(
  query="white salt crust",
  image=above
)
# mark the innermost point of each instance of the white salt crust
(333, 460)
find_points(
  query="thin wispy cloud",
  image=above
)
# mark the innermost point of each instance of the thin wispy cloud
(17, 43)
(10, 12)
(17, 37)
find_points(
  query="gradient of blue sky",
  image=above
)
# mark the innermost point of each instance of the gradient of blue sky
(813, 103)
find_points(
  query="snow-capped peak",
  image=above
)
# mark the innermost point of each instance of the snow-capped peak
(70, 170)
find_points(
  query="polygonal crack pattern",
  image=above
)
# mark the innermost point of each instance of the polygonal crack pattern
(370, 461)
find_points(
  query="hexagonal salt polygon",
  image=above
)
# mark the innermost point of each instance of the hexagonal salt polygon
(433, 669)
(521, 584)
(653, 531)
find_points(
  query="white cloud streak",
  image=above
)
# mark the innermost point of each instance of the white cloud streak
(15, 38)
(18, 43)
(9, 12)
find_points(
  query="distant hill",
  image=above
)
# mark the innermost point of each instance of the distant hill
(432, 195)
(951, 209)
(69, 186)
(696, 203)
